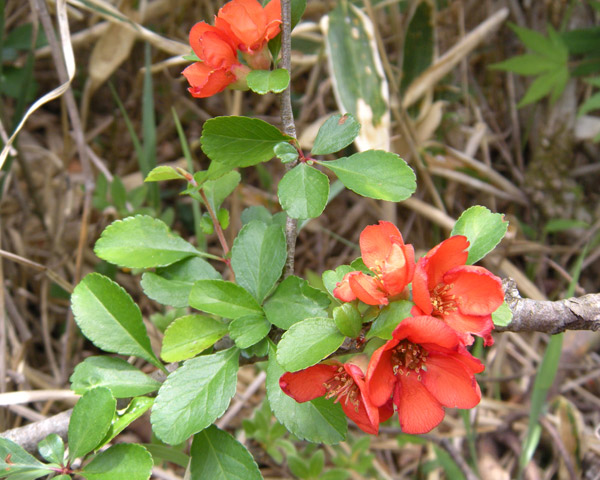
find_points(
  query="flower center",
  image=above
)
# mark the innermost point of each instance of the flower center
(442, 301)
(407, 357)
(342, 385)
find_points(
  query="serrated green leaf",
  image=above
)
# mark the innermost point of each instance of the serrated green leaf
(258, 256)
(317, 421)
(348, 320)
(17, 464)
(592, 103)
(187, 336)
(240, 141)
(194, 396)
(332, 277)
(298, 466)
(163, 172)
(286, 152)
(120, 462)
(172, 285)
(528, 64)
(90, 421)
(223, 298)
(337, 132)
(109, 317)
(167, 453)
(142, 242)
(533, 40)
(303, 192)
(483, 229)
(265, 81)
(307, 343)
(217, 455)
(121, 378)
(136, 408)
(118, 194)
(375, 174)
(502, 316)
(52, 449)
(218, 190)
(295, 300)
(389, 318)
(249, 330)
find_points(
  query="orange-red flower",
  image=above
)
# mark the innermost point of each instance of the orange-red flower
(249, 24)
(423, 368)
(385, 254)
(219, 65)
(464, 296)
(346, 383)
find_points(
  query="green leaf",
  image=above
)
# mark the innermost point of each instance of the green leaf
(240, 141)
(109, 317)
(551, 82)
(218, 190)
(332, 277)
(249, 330)
(167, 453)
(533, 40)
(354, 62)
(563, 224)
(298, 466)
(163, 172)
(528, 64)
(286, 152)
(592, 103)
(317, 421)
(121, 378)
(52, 449)
(136, 408)
(483, 229)
(216, 455)
(188, 336)
(265, 81)
(258, 256)
(303, 192)
(172, 285)
(348, 320)
(307, 343)
(194, 396)
(17, 464)
(90, 421)
(118, 194)
(375, 174)
(223, 298)
(389, 318)
(336, 133)
(142, 242)
(295, 300)
(418, 51)
(120, 462)
(502, 316)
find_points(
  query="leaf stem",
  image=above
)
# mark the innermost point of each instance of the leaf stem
(218, 228)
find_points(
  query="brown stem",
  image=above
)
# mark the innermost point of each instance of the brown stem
(289, 127)
(218, 229)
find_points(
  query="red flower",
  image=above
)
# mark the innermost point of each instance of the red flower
(346, 383)
(249, 24)
(424, 368)
(462, 295)
(219, 66)
(385, 254)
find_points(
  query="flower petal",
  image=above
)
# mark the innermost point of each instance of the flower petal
(418, 410)
(342, 291)
(449, 382)
(428, 330)
(380, 376)
(448, 254)
(308, 384)
(479, 292)
(375, 243)
(246, 20)
(205, 81)
(366, 289)
(399, 268)
(465, 325)
(273, 13)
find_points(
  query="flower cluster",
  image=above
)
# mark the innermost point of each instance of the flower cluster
(426, 365)
(240, 25)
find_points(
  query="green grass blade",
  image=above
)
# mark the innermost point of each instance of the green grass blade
(544, 380)
(200, 237)
(149, 128)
